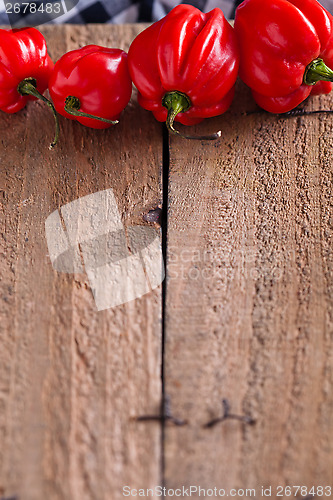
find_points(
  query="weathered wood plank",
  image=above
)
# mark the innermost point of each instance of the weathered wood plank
(249, 307)
(73, 378)
(249, 301)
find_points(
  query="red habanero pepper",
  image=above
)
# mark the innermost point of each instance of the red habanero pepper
(286, 51)
(185, 66)
(91, 85)
(25, 69)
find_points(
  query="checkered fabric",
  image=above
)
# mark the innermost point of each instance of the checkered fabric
(24, 13)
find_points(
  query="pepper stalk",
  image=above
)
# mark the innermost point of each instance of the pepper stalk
(317, 71)
(72, 106)
(177, 102)
(28, 86)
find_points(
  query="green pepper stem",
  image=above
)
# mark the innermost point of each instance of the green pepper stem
(317, 71)
(72, 106)
(177, 102)
(28, 87)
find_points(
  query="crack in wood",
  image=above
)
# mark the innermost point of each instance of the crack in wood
(227, 415)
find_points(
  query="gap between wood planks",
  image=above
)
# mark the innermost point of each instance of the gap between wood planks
(165, 191)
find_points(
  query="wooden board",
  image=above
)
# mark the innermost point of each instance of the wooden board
(248, 308)
(249, 302)
(72, 378)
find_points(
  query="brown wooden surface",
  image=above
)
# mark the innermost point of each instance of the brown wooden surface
(248, 305)
(73, 378)
(249, 301)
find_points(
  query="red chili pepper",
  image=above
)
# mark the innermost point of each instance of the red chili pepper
(91, 85)
(286, 51)
(185, 66)
(25, 69)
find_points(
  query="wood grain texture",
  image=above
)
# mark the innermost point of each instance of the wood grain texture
(72, 379)
(248, 311)
(249, 301)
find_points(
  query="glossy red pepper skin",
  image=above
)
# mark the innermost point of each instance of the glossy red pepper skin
(278, 40)
(189, 52)
(98, 77)
(23, 54)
